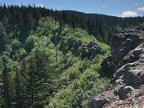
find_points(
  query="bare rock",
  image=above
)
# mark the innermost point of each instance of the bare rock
(133, 77)
(127, 59)
(124, 91)
(97, 102)
(134, 55)
(125, 42)
(102, 99)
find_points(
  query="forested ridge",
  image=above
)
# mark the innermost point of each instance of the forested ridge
(51, 58)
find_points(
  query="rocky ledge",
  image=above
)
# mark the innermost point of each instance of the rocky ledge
(127, 59)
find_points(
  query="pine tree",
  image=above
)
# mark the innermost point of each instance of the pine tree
(6, 90)
(3, 37)
(30, 83)
(19, 89)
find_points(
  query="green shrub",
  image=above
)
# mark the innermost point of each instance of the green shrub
(29, 43)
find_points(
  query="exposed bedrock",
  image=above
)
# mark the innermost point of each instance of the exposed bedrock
(127, 61)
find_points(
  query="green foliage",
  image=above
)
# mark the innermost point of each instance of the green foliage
(40, 74)
(15, 45)
(22, 54)
(29, 43)
(3, 37)
(47, 57)
(84, 86)
(140, 26)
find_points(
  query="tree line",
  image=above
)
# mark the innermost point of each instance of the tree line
(28, 68)
(20, 20)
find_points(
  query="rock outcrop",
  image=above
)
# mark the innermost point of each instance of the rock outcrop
(127, 53)
(77, 47)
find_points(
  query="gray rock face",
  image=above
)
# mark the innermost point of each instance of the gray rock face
(124, 91)
(133, 77)
(134, 55)
(76, 46)
(106, 68)
(123, 43)
(70, 44)
(97, 103)
(127, 49)
(132, 72)
(100, 100)
(93, 49)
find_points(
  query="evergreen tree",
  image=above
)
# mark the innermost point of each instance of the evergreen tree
(20, 101)
(3, 37)
(5, 80)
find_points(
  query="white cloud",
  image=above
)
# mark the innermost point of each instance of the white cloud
(129, 14)
(39, 5)
(135, 4)
(141, 9)
(104, 6)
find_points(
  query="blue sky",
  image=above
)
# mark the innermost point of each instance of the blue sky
(123, 8)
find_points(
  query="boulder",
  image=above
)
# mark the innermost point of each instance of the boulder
(97, 102)
(106, 68)
(70, 44)
(94, 51)
(121, 71)
(123, 92)
(90, 50)
(133, 77)
(123, 43)
(134, 55)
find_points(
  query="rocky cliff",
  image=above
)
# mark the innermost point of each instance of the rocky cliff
(127, 60)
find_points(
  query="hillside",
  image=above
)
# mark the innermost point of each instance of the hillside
(53, 59)
(19, 21)
(58, 69)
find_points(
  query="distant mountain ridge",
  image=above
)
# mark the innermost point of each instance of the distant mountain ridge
(25, 18)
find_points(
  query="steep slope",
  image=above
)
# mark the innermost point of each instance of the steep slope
(77, 66)
(56, 67)
(128, 63)
(17, 22)
(54, 61)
